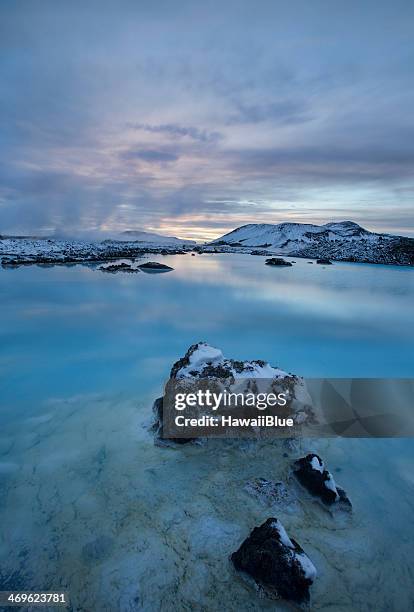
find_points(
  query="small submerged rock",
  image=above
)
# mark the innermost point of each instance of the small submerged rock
(311, 473)
(154, 266)
(324, 262)
(270, 493)
(277, 261)
(276, 562)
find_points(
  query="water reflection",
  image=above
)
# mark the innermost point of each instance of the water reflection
(79, 330)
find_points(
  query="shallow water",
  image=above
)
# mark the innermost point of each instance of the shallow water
(88, 503)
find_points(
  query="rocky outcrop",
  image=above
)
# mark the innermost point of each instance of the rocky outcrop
(325, 262)
(119, 266)
(310, 471)
(276, 562)
(277, 261)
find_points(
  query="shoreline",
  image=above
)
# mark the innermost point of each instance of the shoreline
(96, 254)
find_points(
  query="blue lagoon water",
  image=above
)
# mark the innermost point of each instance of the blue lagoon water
(89, 504)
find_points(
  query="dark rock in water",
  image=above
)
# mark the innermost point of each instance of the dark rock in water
(325, 262)
(276, 562)
(311, 473)
(157, 426)
(155, 266)
(118, 266)
(277, 261)
(311, 262)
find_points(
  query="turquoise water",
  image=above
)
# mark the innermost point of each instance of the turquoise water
(87, 502)
(75, 330)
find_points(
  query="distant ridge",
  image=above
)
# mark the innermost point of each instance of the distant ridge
(340, 241)
(141, 236)
(106, 236)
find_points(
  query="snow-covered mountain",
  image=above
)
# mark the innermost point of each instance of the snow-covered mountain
(343, 241)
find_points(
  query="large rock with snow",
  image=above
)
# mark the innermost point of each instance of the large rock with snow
(312, 474)
(276, 562)
(205, 367)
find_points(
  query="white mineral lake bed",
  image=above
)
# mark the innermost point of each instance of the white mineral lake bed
(89, 504)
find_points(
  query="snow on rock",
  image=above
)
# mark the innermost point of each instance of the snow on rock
(276, 562)
(310, 471)
(308, 568)
(343, 241)
(202, 355)
(204, 361)
(283, 536)
(317, 464)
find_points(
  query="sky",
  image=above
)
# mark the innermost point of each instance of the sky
(191, 118)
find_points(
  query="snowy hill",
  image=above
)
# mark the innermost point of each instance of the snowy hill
(18, 250)
(343, 241)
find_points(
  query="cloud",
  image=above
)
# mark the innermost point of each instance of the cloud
(281, 112)
(146, 114)
(175, 130)
(150, 155)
